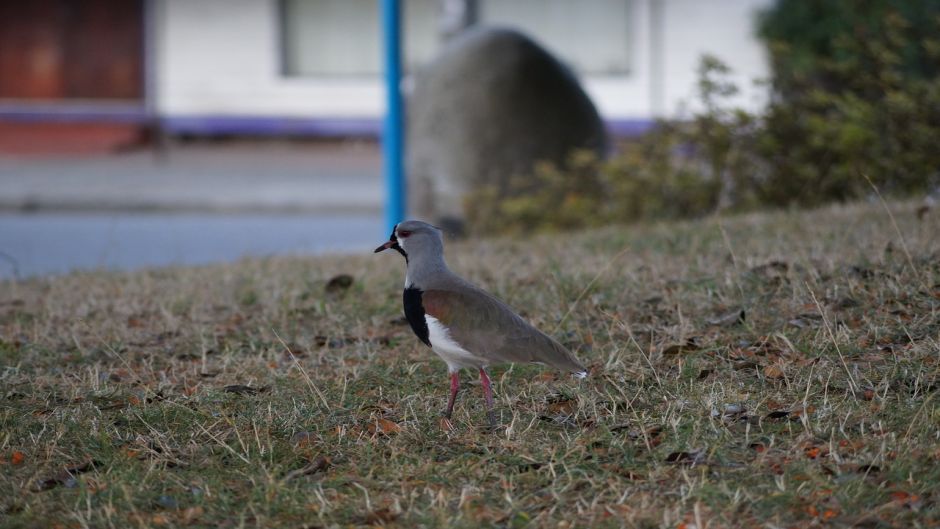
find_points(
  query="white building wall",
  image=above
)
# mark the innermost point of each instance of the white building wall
(221, 58)
(723, 28)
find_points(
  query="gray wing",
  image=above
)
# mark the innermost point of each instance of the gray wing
(487, 327)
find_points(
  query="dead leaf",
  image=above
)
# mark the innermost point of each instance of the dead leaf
(772, 269)
(845, 303)
(923, 210)
(732, 318)
(383, 515)
(240, 389)
(814, 452)
(383, 426)
(191, 514)
(777, 415)
(302, 439)
(676, 349)
(317, 465)
(560, 405)
(692, 457)
(338, 283)
(65, 477)
(805, 320)
(446, 425)
(745, 364)
(774, 371)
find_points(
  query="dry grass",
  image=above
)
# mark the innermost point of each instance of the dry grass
(247, 395)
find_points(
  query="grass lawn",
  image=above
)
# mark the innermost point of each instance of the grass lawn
(774, 370)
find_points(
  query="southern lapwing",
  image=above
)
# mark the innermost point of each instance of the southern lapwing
(465, 325)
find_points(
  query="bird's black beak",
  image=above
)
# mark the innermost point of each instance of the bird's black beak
(392, 243)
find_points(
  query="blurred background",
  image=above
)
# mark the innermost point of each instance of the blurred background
(150, 132)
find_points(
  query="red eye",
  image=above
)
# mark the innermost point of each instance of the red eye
(404, 233)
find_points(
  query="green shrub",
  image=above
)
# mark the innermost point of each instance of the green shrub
(855, 97)
(856, 91)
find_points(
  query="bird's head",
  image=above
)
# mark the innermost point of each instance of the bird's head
(413, 237)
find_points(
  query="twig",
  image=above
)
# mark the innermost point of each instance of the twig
(224, 444)
(589, 286)
(303, 373)
(832, 336)
(894, 223)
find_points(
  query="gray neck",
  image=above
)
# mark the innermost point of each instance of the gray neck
(424, 268)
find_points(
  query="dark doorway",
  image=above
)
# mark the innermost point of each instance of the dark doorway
(71, 49)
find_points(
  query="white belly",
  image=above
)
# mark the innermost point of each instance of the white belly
(449, 350)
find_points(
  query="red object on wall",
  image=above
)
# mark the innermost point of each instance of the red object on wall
(71, 49)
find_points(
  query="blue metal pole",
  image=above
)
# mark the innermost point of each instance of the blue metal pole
(392, 136)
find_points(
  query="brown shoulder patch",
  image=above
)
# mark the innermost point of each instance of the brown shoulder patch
(439, 303)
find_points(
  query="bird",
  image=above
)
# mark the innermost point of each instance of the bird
(463, 324)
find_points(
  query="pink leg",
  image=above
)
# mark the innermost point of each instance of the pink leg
(488, 397)
(454, 386)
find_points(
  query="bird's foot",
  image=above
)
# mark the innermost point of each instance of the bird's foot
(492, 424)
(446, 425)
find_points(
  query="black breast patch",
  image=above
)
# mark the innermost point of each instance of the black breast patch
(414, 313)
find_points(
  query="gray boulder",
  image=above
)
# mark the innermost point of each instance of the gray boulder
(485, 111)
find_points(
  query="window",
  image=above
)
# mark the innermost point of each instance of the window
(343, 37)
(591, 36)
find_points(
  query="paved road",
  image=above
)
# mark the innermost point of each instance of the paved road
(203, 203)
(271, 177)
(53, 243)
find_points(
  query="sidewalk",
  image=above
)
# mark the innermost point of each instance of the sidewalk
(221, 176)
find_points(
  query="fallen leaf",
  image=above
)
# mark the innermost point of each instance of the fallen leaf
(167, 502)
(676, 349)
(746, 364)
(240, 389)
(384, 426)
(338, 283)
(923, 210)
(772, 268)
(845, 303)
(813, 452)
(302, 439)
(317, 465)
(562, 406)
(774, 371)
(17, 458)
(692, 457)
(446, 425)
(66, 477)
(191, 514)
(732, 318)
(383, 515)
(903, 497)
